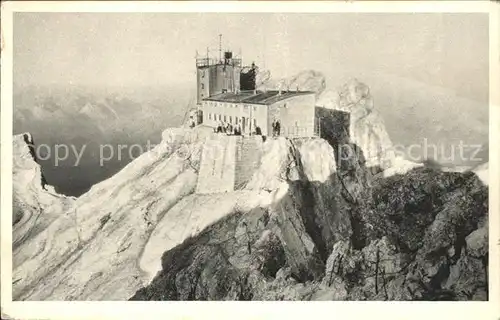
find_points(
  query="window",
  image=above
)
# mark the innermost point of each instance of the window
(254, 108)
(230, 119)
(202, 86)
(255, 123)
(209, 116)
(219, 117)
(203, 74)
(225, 119)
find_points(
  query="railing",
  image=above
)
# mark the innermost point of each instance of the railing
(205, 62)
(299, 131)
(317, 127)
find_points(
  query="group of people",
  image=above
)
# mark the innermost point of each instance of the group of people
(229, 129)
(276, 127)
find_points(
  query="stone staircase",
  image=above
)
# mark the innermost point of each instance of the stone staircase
(218, 164)
(248, 155)
(228, 162)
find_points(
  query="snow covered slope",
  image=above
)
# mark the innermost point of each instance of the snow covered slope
(91, 250)
(109, 242)
(35, 203)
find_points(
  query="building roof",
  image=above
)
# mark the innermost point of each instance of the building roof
(260, 97)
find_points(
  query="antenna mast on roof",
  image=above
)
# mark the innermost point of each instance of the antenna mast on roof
(220, 47)
(264, 56)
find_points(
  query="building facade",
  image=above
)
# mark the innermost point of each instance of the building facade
(224, 98)
(294, 110)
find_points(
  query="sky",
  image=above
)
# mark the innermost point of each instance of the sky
(449, 51)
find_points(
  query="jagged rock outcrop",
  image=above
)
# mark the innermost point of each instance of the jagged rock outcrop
(424, 239)
(35, 204)
(307, 80)
(262, 79)
(366, 129)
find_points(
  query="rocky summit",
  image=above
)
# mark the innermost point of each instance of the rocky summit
(210, 217)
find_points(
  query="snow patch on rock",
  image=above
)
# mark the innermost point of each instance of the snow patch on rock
(482, 172)
(192, 215)
(318, 160)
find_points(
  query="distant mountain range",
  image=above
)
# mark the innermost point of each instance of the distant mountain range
(93, 117)
(66, 114)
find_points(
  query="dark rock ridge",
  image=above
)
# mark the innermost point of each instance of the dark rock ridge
(30, 143)
(421, 235)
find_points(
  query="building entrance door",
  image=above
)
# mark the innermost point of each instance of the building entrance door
(243, 124)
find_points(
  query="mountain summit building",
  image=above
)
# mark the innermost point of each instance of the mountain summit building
(227, 94)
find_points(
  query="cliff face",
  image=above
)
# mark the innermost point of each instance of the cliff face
(298, 218)
(311, 219)
(420, 235)
(366, 127)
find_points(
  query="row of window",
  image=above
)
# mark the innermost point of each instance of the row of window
(224, 118)
(219, 104)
